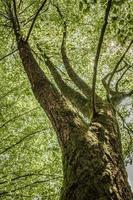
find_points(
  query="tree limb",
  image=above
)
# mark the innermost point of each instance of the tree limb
(118, 63)
(78, 81)
(34, 20)
(52, 102)
(72, 95)
(107, 11)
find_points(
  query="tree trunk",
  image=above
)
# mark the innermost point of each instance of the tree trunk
(93, 165)
(92, 157)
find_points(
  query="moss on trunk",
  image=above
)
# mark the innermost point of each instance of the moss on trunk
(93, 163)
(92, 155)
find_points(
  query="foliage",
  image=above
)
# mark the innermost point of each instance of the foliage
(30, 160)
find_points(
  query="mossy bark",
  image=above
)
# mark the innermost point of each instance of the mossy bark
(93, 163)
(92, 155)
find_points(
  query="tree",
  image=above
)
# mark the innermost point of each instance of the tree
(86, 125)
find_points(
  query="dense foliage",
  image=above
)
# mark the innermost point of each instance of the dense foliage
(30, 161)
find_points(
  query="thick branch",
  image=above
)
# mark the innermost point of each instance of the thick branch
(73, 96)
(78, 81)
(45, 92)
(98, 54)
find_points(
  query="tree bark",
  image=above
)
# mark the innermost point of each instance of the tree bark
(93, 164)
(92, 156)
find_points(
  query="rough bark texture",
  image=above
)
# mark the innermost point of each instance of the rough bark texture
(92, 156)
(93, 164)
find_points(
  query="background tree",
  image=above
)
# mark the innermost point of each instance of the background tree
(85, 122)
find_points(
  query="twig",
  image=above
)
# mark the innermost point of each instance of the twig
(20, 2)
(118, 63)
(105, 83)
(8, 54)
(19, 177)
(117, 71)
(17, 116)
(26, 8)
(117, 84)
(107, 11)
(25, 22)
(29, 185)
(21, 140)
(10, 91)
(4, 15)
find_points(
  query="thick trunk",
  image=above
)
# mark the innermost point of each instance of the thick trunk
(93, 164)
(92, 157)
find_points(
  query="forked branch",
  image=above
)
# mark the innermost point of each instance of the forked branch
(119, 62)
(76, 98)
(115, 95)
(78, 81)
(121, 77)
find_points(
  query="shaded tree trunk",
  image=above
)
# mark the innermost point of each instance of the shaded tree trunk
(93, 163)
(92, 156)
